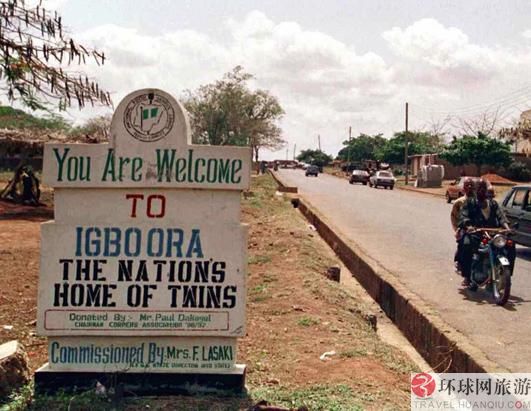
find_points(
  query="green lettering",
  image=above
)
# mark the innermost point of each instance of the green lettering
(180, 166)
(197, 178)
(190, 156)
(60, 162)
(109, 166)
(236, 168)
(165, 162)
(224, 171)
(123, 162)
(136, 175)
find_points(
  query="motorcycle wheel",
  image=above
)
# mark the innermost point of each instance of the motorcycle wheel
(501, 284)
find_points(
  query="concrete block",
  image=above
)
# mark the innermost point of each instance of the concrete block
(48, 381)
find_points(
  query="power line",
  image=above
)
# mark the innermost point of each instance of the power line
(518, 95)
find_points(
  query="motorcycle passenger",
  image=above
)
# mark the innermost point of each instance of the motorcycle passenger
(468, 188)
(480, 211)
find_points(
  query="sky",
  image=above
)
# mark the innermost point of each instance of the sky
(332, 65)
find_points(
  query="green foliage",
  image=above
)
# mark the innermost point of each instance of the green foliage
(478, 150)
(307, 321)
(227, 112)
(419, 142)
(314, 157)
(34, 48)
(363, 147)
(15, 119)
(96, 128)
(518, 171)
(317, 397)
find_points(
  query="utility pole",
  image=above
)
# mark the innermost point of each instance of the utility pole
(287, 153)
(294, 147)
(407, 143)
(319, 141)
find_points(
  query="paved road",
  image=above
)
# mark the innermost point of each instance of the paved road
(410, 235)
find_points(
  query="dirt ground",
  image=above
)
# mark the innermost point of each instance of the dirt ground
(294, 314)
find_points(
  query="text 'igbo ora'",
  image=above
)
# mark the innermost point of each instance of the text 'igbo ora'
(146, 263)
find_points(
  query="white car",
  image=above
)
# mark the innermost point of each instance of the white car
(382, 179)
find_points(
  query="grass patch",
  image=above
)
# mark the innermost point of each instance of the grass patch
(319, 397)
(268, 278)
(24, 400)
(307, 321)
(354, 353)
(259, 293)
(259, 259)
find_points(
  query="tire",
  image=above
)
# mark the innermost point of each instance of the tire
(392, 187)
(473, 286)
(364, 183)
(501, 284)
(448, 199)
(350, 182)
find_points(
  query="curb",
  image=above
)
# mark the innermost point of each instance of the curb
(420, 192)
(443, 347)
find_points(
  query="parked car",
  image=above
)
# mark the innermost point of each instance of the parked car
(312, 171)
(517, 207)
(382, 178)
(455, 189)
(359, 176)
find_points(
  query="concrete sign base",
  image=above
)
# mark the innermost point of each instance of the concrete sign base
(49, 381)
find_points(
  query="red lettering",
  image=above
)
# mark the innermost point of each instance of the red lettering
(162, 207)
(135, 198)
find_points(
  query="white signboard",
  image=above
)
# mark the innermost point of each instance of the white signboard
(136, 250)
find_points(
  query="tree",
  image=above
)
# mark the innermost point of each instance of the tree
(95, 130)
(419, 142)
(227, 112)
(478, 150)
(15, 119)
(314, 157)
(485, 123)
(33, 46)
(363, 147)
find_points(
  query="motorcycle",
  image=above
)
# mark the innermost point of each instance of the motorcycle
(492, 262)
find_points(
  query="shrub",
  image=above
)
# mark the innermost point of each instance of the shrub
(518, 171)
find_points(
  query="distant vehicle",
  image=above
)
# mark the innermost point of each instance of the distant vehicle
(305, 166)
(359, 176)
(517, 208)
(383, 179)
(347, 168)
(455, 189)
(312, 171)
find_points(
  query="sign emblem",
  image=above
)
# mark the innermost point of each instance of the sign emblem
(149, 117)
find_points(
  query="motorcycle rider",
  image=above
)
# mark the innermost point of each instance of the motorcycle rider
(468, 188)
(480, 211)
